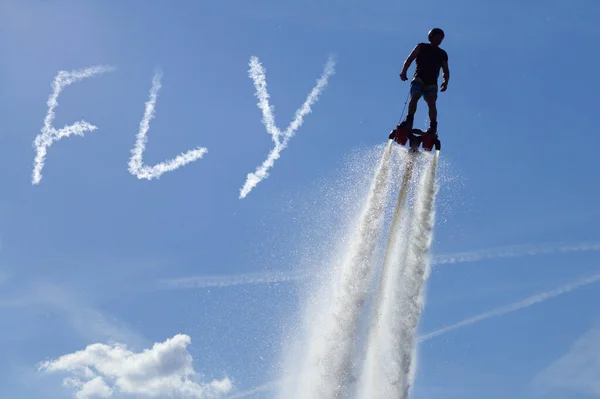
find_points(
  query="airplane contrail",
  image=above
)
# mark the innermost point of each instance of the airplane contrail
(514, 251)
(525, 303)
(229, 281)
(136, 166)
(500, 311)
(257, 73)
(269, 386)
(49, 134)
(456, 258)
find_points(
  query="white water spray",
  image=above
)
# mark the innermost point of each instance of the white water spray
(324, 354)
(323, 366)
(415, 274)
(389, 366)
(370, 383)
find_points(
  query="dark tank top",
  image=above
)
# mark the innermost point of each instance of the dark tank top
(429, 62)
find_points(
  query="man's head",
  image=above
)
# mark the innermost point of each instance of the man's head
(436, 35)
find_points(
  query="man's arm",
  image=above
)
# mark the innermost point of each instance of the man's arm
(411, 57)
(446, 72)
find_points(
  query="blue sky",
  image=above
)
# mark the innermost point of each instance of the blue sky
(83, 253)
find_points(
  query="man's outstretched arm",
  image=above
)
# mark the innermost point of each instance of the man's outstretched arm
(411, 57)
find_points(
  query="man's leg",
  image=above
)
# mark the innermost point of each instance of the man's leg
(416, 91)
(431, 99)
(412, 105)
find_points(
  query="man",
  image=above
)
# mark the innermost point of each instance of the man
(430, 58)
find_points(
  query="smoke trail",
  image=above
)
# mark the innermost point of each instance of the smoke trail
(331, 337)
(257, 74)
(532, 300)
(49, 134)
(136, 166)
(371, 383)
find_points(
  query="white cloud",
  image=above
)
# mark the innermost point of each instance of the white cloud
(94, 387)
(164, 370)
(577, 371)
